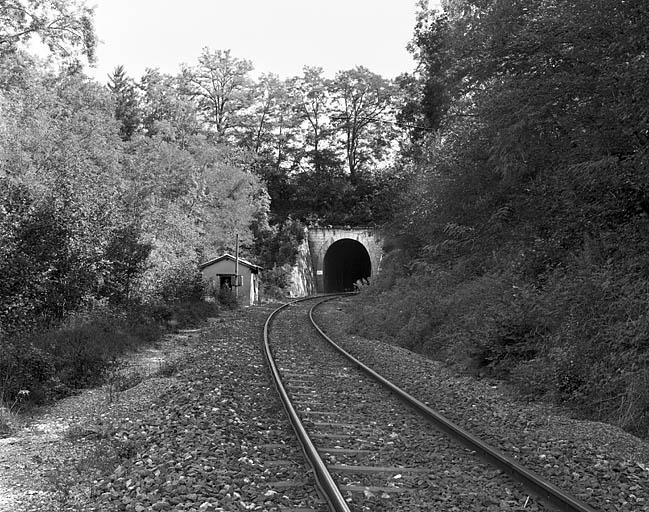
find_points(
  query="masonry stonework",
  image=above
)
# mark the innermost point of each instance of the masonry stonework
(321, 239)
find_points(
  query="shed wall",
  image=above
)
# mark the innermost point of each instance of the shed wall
(248, 291)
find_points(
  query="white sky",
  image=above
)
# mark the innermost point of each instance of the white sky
(279, 36)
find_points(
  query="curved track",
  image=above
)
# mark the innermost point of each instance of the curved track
(323, 478)
(392, 459)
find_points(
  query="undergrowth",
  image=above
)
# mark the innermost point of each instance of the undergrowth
(579, 338)
(48, 363)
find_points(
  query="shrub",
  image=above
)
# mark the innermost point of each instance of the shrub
(275, 281)
(276, 247)
(633, 408)
(226, 297)
(180, 284)
(126, 256)
(45, 272)
(82, 349)
(190, 313)
(578, 337)
(24, 367)
(51, 362)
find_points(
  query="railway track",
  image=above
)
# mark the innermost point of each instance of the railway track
(371, 446)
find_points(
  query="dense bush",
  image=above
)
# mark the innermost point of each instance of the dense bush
(578, 337)
(24, 367)
(45, 276)
(182, 314)
(227, 298)
(180, 284)
(275, 281)
(125, 256)
(276, 248)
(108, 197)
(520, 250)
(579, 340)
(52, 362)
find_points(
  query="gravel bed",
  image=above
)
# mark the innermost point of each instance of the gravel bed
(444, 475)
(208, 435)
(599, 463)
(207, 443)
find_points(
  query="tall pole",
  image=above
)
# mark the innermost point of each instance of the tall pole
(236, 267)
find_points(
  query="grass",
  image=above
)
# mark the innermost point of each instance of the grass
(50, 363)
(9, 412)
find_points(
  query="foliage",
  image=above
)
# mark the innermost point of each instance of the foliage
(61, 193)
(427, 93)
(276, 248)
(226, 297)
(180, 284)
(312, 105)
(166, 110)
(96, 218)
(45, 276)
(111, 195)
(363, 103)
(519, 250)
(65, 26)
(53, 362)
(126, 102)
(220, 86)
(278, 244)
(125, 256)
(311, 136)
(275, 281)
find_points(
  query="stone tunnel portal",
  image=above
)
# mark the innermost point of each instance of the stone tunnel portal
(345, 262)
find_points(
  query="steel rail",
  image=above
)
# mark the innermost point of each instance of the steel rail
(533, 481)
(323, 478)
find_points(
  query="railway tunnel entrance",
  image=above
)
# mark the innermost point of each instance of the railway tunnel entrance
(345, 262)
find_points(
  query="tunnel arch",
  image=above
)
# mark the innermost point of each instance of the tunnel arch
(345, 262)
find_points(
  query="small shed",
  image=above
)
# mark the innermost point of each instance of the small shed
(221, 273)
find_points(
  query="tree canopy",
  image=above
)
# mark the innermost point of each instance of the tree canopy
(65, 26)
(111, 191)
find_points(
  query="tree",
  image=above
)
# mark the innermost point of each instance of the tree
(166, 108)
(313, 106)
(268, 124)
(125, 255)
(363, 113)
(126, 102)
(63, 186)
(525, 215)
(232, 201)
(427, 92)
(272, 132)
(65, 26)
(46, 275)
(222, 89)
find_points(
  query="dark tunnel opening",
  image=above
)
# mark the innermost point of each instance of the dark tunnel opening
(345, 262)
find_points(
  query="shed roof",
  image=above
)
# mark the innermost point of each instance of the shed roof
(226, 256)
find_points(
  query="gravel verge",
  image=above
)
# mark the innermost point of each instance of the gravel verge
(201, 434)
(43, 458)
(599, 463)
(207, 441)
